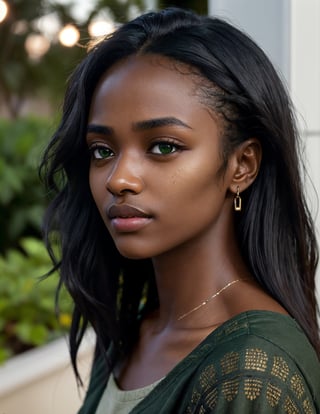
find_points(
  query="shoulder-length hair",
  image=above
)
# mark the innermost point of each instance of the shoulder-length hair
(275, 230)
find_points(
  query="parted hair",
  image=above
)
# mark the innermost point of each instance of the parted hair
(274, 231)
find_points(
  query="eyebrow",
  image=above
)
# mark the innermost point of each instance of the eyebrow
(159, 122)
(99, 129)
(140, 125)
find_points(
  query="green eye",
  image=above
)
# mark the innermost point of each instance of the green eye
(100, 153)
(164, 148)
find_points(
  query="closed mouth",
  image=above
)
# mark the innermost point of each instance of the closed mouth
(125, 211)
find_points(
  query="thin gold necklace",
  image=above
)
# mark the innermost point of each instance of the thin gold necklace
(205, 302)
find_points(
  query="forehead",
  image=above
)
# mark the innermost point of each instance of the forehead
(149, 83)
(150, 67)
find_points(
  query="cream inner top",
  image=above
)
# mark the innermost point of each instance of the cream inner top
(116, 401)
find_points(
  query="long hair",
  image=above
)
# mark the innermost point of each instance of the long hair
(275, 230)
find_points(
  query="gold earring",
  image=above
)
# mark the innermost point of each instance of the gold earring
(237, 200)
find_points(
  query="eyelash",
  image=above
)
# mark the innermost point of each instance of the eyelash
(169, 142)
(97, 147)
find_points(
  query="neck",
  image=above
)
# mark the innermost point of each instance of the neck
(189, 275)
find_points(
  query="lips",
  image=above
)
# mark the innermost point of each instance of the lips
(127, 219)
(125, 211)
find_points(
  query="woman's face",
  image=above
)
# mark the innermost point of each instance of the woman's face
(155, 171)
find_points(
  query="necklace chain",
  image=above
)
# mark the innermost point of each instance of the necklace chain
(205, 302)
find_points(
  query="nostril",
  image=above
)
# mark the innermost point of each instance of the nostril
(125, 174)
(121, 185)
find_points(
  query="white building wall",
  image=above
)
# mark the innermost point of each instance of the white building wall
(266, 21)
(289, 32)
(305, 86)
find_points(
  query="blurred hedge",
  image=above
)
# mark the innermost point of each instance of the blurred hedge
(22, 196)
(27, 301)
(27, 304)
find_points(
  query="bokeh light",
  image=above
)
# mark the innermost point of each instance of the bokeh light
(100, 28)
(69, 35)
(3, 10)
(20, 27)
(36, 46)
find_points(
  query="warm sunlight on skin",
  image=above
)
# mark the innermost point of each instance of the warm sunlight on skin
(157, 155)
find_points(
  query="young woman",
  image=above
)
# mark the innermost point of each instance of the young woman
(185, 239)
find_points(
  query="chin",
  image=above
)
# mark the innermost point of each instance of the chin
(133, 253)
(134, 256)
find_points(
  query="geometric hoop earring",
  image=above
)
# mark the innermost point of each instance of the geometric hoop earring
(237, 201)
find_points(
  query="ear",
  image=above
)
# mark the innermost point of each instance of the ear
(245, 163)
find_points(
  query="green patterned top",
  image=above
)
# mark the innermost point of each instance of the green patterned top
(257, 362)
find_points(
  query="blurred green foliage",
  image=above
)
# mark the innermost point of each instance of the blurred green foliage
(27, 303)
(22, 196)
(27, 316)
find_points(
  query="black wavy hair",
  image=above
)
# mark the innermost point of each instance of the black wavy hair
(275, 230)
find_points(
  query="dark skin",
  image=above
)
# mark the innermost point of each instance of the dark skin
(154, 152)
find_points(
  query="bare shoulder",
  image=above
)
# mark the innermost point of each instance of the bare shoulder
(251, 296)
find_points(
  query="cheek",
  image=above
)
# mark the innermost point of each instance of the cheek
(197, 193)
(197, 181)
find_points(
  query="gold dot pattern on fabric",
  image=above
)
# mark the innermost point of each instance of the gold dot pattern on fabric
(256, 359)
(195, 398)
(280, 368)
(231, 328)
(297, 385)
(207, 377)
(230, 389)
(230, 363)
(252, 388)
(273, 395)
(290, 407)
(212, 398)
(263, 379)
(307, 409)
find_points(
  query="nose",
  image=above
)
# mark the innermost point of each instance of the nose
(125, 176)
